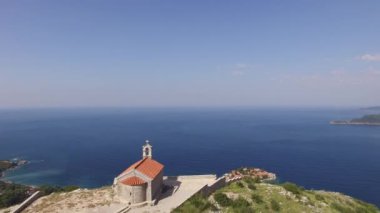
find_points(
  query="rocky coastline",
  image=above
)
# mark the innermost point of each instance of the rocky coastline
(348, 122)
(368, 120)
(254, 173)
(6, 165)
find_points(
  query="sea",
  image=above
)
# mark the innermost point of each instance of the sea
(88, 147)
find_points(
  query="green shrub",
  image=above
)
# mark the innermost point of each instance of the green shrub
(13, 197)
(251, 186)
(249, 180)
(240, 202)
(240, 184)
(69, 188)
(291, 187)
(48, 189)
(240, 205)
(243, 209)
(369, 207)
(341, 208)
(200, 202)
(12, 194)
(222, 199)
(274, 205)
(197, 203)
(319, 197)
(257, 198)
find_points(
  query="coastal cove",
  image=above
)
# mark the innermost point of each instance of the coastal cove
(88, 147)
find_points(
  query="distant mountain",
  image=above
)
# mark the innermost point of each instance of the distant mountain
(372, 108)
(373, 119)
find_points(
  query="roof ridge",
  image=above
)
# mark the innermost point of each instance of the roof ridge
(141, 161)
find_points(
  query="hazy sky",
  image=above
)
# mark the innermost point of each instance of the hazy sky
(189, 53)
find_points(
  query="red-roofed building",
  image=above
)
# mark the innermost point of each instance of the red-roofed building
(142, 181)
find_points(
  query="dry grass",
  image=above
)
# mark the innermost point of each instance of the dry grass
(81, 200)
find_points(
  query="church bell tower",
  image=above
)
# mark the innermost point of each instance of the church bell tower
(147, 150)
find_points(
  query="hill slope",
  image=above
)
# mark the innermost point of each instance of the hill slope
(247, 196)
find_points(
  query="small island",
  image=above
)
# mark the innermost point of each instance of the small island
(371, 120)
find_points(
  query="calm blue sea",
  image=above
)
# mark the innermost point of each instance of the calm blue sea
(88, 147)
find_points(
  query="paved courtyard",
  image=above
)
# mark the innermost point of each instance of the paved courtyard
(182, 188)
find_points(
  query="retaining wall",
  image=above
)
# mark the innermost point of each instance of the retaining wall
(28, 201)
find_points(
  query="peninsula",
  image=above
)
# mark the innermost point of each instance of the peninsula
(372, 108)
(371, 120)
(10, 164)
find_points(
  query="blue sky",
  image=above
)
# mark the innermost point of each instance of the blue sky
(189, 53)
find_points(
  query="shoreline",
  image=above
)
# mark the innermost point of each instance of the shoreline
(353, 123)
(11, 165)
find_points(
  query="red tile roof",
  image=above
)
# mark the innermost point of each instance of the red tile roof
(132, 181)
(147, 166)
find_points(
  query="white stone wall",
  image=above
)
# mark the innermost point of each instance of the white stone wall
(124, 192)
(131, 194)
(139, 193)
(151, 190)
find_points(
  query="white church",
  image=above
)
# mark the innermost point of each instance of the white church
(142, 181)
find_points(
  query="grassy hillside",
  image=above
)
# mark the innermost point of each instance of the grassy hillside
(247, 196)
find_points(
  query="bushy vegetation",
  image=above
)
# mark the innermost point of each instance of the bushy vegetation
(238, 205)
(11, 194)
(319, 197)
(271, 198)
(240, 184)
(250, 183)
(251, 186)
(291, 187)
(275, 205)
(48, 189)
(341, 208)
(366, 207)
(240, 202)
(197, 203)
(222, 199)
(257, 198)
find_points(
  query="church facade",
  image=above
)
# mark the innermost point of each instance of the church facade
(142, 181)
